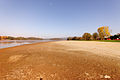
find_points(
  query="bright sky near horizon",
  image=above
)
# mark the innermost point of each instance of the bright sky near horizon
(57, 18)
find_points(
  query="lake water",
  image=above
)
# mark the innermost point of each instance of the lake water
(12, 43)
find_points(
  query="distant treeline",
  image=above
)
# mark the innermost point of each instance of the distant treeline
(102, 34)
(23, 38)
(27, 38)
(115, 37)
(57, 39)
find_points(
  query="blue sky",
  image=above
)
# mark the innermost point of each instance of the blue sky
(57, 18)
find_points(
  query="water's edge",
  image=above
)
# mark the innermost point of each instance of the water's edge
(13, 43)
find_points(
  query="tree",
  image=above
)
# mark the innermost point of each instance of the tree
(118, 34)
(69, 38)
(79, 38)
(95, 35)
(74, 38)
(87, 36)
(112, 37)
(11, 38)
(103, 32)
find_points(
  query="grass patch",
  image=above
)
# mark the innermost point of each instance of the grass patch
(109, 40)
(100, 40)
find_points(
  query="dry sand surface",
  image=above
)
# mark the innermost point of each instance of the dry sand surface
(61, 60)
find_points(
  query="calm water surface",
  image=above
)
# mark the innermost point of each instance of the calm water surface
(12, 43)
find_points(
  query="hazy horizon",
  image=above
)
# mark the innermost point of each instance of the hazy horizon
(57, 18)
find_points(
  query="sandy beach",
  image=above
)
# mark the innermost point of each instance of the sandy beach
(61, 60)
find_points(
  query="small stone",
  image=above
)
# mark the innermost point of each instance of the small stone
(86, 73)
(106, 76)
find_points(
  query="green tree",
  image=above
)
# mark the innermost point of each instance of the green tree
(87, 36)
(95, 36)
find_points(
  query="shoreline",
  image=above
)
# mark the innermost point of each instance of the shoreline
(25, 44)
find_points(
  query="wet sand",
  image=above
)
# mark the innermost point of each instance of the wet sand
(61, 60)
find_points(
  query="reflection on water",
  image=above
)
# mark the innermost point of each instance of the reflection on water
(12, 43)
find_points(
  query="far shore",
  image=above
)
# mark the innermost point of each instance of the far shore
(61, 60)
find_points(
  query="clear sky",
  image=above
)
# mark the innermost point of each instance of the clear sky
(57, 18)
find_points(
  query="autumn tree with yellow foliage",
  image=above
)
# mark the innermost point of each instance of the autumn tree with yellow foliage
(103, 32)
(86, 36)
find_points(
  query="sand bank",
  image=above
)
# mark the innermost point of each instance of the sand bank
(61, 60)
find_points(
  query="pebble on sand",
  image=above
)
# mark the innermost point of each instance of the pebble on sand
(106, 76)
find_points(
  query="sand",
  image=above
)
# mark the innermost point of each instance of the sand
(61, 60)
(99, 48)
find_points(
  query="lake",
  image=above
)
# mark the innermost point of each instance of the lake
(12, 43)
